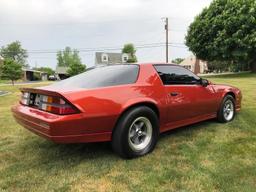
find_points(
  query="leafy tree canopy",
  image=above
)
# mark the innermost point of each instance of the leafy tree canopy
(76, 68)
(130, 49)
(11, 70)
(177, 60)
(70, 58)
(67, 57)
(14, 51)
(225, 31)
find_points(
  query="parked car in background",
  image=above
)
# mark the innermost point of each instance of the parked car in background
(52, 78)
(128, 104)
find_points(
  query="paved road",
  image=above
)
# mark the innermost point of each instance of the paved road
(2, 93)
(25, 83)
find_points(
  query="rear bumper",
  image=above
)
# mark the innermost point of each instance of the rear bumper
(60, 129)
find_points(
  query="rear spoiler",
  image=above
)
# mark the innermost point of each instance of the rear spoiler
(41, 91)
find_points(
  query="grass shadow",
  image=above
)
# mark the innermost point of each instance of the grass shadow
(48, 151)
(189, 129)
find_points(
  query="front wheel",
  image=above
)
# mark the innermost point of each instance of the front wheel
(136, 132)
(227, 109)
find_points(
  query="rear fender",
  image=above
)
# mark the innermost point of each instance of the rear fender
(136, 101)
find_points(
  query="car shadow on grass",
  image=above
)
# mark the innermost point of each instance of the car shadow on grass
(49, 151)
(190, 129)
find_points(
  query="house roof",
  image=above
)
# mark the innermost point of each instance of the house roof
(34, 71)
(113, 58)
(61, 70)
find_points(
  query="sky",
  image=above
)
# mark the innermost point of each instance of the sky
(45, 26)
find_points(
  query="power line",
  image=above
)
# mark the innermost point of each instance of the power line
(95, 49)
(95, 22)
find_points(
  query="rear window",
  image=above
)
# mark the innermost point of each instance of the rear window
(103, 76)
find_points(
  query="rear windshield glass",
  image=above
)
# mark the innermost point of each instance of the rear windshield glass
(102, 77)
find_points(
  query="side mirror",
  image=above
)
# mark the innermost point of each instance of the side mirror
(204, 82)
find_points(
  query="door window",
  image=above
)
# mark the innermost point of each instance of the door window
(173, 75)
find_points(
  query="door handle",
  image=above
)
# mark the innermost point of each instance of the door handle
(174, 93)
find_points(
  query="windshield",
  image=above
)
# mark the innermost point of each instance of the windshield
(104, 76)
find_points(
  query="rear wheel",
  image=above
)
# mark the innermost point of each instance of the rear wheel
(136, 132)
(227, 110)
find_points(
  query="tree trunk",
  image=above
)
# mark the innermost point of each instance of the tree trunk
(12, 82)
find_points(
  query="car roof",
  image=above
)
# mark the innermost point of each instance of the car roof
(156, 63)
(145, 64)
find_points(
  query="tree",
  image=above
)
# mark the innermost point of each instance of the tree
(225, 31)
(218, 66)
(65, 57)
(47, 70)
(76, 68)
(178, 60)
(10, 69)
(130, 49)
(75, 65)
(15, 52)
(70, 58)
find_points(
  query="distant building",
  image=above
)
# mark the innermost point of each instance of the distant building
(30, 74)
(61, 73)
(111, 58)
(34, 75)
(195, 65)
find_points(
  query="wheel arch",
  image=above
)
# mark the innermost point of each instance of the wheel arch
(231, 93)
(149, 104)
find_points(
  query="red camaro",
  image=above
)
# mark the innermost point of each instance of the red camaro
(128, 105)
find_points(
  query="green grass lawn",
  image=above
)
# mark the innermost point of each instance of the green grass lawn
(207, 156)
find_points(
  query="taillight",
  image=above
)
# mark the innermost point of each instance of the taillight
(52, 104)
(25, 97)
(56, 105)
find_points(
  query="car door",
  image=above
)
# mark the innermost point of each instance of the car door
(186, 97)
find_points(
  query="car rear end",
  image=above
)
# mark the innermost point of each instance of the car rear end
(77, 109)
(50, 115)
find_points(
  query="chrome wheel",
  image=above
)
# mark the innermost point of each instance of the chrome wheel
(140, 134)
(228, 110)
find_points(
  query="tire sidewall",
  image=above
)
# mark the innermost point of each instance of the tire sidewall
(221, 112)
(124, 126)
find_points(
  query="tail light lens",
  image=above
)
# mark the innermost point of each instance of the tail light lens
(55, 105)
(52, 104)
(25, 98)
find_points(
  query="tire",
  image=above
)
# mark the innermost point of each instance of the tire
(223, 116)
(136, 132)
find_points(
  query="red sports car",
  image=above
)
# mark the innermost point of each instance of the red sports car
(128, 105)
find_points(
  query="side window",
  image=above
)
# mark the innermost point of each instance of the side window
(173, 75)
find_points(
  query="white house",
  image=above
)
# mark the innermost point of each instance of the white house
(111, 58)
(194, 64)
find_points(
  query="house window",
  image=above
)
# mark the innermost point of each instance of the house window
(104, 57)
(124, 58)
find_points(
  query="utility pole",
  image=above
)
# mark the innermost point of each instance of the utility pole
(166, 34)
